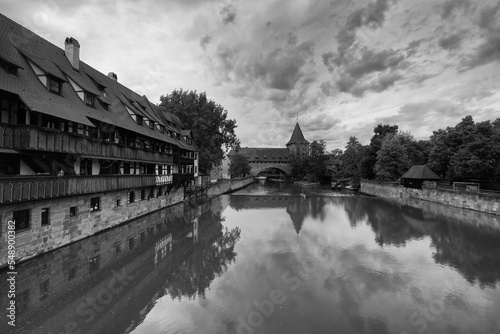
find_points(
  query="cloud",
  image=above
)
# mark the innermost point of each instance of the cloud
(228, 14)
(489, 50)
(452, 41)
(487, 18)
(281, 68)
(204, 41)
(412, 48)
(372, 61)
(451, 6)
(378, 85)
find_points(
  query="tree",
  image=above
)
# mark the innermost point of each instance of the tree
(368, 165)
(239, 165)
(468, 151)
(352, 159)
(392, 158)
(316, 164)
(207, 120)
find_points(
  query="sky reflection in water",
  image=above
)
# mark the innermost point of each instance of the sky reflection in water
(348, 264)
(266, 260)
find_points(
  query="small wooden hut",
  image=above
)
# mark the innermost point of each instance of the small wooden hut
(416, 175)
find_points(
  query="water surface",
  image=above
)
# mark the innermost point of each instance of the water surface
(274, 258)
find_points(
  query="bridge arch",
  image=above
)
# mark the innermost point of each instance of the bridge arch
(271, 168)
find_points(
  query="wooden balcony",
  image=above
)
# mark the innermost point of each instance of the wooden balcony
(28, 188)
(26, 137)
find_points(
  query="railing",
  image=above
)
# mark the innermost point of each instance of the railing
(29, 188)
(26, 137)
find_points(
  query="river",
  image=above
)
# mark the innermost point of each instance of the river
(272, 258)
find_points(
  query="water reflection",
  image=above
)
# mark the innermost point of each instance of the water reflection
(109, 282)
(459, 242)
(267, 260)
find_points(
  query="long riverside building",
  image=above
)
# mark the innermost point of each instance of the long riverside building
(79, 152)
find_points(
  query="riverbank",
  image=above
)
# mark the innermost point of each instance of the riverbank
(79, 217)
(465, 200)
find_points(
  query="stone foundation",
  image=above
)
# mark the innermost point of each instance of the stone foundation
(64, 229)
(464, 200)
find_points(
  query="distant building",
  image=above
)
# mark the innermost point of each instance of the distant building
(275, 160)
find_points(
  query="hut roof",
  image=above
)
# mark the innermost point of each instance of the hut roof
(421, 172)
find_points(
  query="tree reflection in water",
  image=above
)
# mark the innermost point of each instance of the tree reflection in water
(470, 248)
(212, 255)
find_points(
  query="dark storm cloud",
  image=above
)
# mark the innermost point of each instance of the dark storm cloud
(413, 47)
(380, 84)
(353, 68)
(281, 68)
(489, 50)
(372, 61)
(353, 74)
(228, 14)
(488, 19)
(452, 41)
(205, 41)
(451, 6)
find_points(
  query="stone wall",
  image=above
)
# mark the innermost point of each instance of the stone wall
(225, 186)
(464, 200)
(64, 229)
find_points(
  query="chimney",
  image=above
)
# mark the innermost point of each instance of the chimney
(72, 52)
(113, 76)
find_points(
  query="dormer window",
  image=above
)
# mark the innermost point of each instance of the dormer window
(89, 99)
(152, 125)
(8, 67)
(54, 85)
(139, 119)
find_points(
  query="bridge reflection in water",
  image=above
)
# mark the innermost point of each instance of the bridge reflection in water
(343, 263)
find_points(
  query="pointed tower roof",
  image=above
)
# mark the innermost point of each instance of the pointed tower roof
(297, 136)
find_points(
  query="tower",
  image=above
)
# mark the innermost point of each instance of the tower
(297, 143)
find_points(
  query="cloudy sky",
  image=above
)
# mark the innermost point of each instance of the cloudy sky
(339, 66)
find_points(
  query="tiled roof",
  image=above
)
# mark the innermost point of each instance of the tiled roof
(297, 136)
(18, 45)
(255, 154)
(420, 172)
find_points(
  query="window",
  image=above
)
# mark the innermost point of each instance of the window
(143, 194)
(72, 273)
(118, 201)
(158, 194)
(54, 85)
(139, 119)
(131, 197)
(93, 264)
(118, 248)
(45, 217)
(21, 219)
(44, 289)
(142, 237)
(131, 243)
(94, 204)
(89, 99)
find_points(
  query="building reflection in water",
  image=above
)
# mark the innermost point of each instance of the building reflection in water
(298, 208)
(109, 282)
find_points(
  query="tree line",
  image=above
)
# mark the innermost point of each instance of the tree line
(468, 151)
